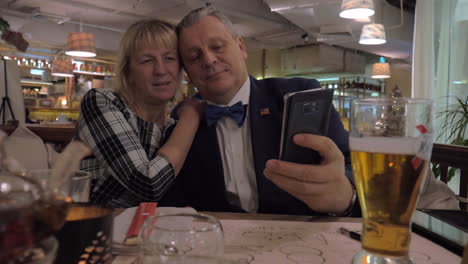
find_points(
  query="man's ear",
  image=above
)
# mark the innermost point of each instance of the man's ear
(242, 47)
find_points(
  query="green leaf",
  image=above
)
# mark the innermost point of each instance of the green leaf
(436, 170)
(4, 25)
(451, 173)
(455, 122)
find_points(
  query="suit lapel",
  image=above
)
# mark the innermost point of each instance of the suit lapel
(265, 122)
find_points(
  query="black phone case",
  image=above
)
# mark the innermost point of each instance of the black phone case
(304, 112)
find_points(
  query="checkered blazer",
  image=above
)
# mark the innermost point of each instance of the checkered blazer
(125, 164)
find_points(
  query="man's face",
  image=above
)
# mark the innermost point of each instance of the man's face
(213, 59)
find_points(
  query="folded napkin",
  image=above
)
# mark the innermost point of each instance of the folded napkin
(29, 149)
(144, 211)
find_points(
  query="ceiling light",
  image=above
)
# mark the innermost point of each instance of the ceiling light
(372, 34)
(80, 44)
(380, 70)
(274, 7)
(353, 9)
(62, 68)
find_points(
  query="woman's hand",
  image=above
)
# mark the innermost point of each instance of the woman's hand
(191, 109)
(176, 148)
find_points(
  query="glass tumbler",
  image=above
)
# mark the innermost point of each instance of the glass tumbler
(168, 238)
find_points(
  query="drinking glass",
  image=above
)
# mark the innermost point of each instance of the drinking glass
(170, 238)
(76, 189)
(391, 143)
(80, 186)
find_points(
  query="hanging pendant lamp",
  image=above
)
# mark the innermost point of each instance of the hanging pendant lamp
(81, 44)
(354, 9)
(372, 34)
(380, 70)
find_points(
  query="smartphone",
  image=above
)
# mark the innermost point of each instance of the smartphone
(304, 112)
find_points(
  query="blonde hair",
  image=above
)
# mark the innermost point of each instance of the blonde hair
(145, 33)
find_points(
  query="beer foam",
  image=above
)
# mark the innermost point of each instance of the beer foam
(404, 145)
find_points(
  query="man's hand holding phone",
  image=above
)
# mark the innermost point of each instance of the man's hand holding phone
(311, 166)
(323, 187)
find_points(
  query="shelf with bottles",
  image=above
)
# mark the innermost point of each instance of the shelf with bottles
(358, 86)
(40, 100)
(34, 92)
(47, 115)
(33, 68)
(93, 68)
(53, 109)
(31, 62)
(349, 88)
(94, 73)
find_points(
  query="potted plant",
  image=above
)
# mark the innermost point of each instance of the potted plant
(454, 127)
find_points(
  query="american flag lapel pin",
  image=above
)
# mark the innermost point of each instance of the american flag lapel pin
(264, 111)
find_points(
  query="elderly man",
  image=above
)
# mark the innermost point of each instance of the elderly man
(231, 165)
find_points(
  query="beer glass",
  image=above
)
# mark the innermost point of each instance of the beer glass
(391, 143)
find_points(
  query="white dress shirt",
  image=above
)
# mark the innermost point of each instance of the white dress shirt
(235, 146)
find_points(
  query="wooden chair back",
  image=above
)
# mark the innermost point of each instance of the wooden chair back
(456, 157)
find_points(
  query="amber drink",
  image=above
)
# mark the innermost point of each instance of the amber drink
(388, 183)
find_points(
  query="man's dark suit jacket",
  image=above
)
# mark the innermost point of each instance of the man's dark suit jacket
(200, 183)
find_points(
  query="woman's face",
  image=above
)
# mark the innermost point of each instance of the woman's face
(154, 75)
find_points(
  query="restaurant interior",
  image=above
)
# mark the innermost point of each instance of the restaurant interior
(406, 48)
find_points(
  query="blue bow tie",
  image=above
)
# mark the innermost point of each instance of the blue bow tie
(213, 113)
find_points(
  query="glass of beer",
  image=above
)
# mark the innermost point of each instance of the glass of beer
(391, 144)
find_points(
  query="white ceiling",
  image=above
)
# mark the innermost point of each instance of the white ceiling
(253, 19)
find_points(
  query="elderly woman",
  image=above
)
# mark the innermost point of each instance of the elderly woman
(125, 126)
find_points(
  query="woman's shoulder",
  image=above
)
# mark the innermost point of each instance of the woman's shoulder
(103, 96)
(102, 93)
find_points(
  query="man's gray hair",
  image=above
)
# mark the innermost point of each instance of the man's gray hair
(196, 15)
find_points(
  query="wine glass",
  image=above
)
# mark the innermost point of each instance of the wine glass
(168, 238)
(391, 143)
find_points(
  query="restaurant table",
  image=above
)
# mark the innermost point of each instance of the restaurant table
(280, 217)
(267, 238)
